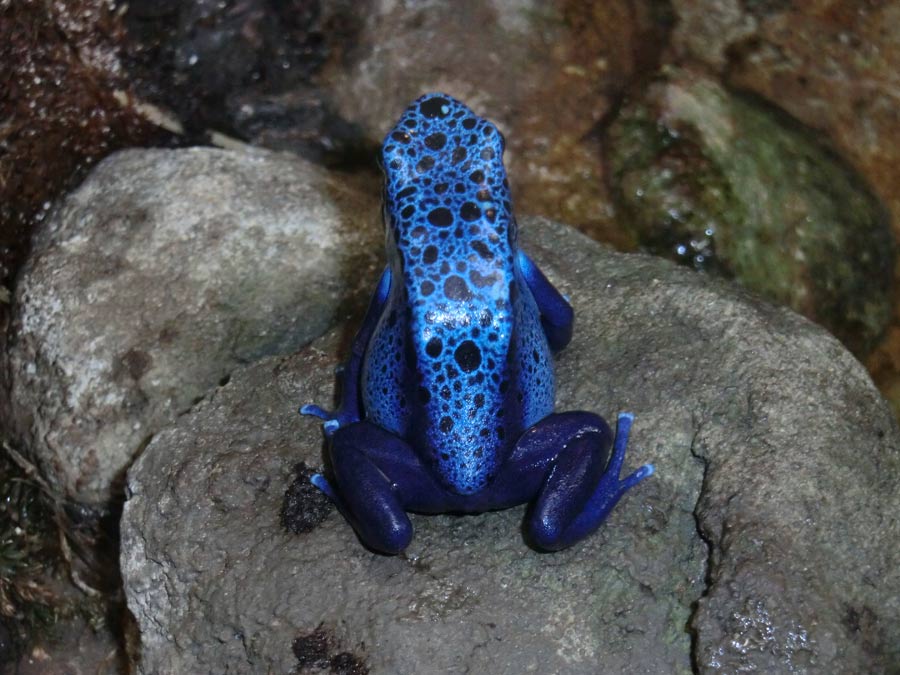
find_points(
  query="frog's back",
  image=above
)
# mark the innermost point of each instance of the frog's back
(459, 365)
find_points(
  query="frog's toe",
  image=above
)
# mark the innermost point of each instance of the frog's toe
(322, 483)
(623, 432)
(611, 477)
(636, 477)
(314, 411)
(334, 420)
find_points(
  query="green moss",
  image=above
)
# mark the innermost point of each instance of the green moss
(735, 187)
(674, 210)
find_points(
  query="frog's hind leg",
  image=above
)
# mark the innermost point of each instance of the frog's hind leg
(580, 488)
(375, 472)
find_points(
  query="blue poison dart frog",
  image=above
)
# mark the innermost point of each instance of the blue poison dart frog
(447, 399)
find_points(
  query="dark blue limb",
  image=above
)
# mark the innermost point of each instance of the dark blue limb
(375, 476)
(348, 375)
(581, 488)
(556, 312)
(378, 477)
(560, 465)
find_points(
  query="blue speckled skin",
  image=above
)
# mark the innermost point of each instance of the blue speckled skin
(448, 396)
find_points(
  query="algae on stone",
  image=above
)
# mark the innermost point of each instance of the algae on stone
(735, 187)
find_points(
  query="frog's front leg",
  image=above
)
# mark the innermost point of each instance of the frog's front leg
(349, 374)
(376, 476)
(580, 487)
(557, 316)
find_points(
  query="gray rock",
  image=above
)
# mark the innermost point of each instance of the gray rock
(162, 272)
(766, 541)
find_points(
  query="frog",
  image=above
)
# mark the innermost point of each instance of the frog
(447, 397)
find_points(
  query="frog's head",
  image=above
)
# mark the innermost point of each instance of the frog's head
(444, 176)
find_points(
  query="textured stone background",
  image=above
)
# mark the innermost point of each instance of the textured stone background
(765, 541)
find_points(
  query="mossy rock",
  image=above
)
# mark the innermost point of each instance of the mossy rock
(734, 187)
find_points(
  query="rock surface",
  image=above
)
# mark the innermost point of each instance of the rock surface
(155, 278)
(769, 530)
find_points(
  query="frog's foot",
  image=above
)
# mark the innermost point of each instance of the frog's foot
(372, 471)
(611, 489)
(610, 483)
(579, 492)
(333, 420)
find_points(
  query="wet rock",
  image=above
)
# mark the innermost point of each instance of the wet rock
(767, 531)
(706, 31)
(832, 65)
(326, 80)
(158, 276)
(247, 68)
(732, 186)
(75, 646)
(547, 73)
(58, 83)
(215, 49)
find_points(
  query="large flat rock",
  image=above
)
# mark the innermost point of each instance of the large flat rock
(767, 540)
(160, 274)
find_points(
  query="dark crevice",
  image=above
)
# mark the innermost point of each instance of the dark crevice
(197, 400)
(708, 543)
(119, 485)
(76, 567)
(320, 650)
(648, 58)
(121, 621)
